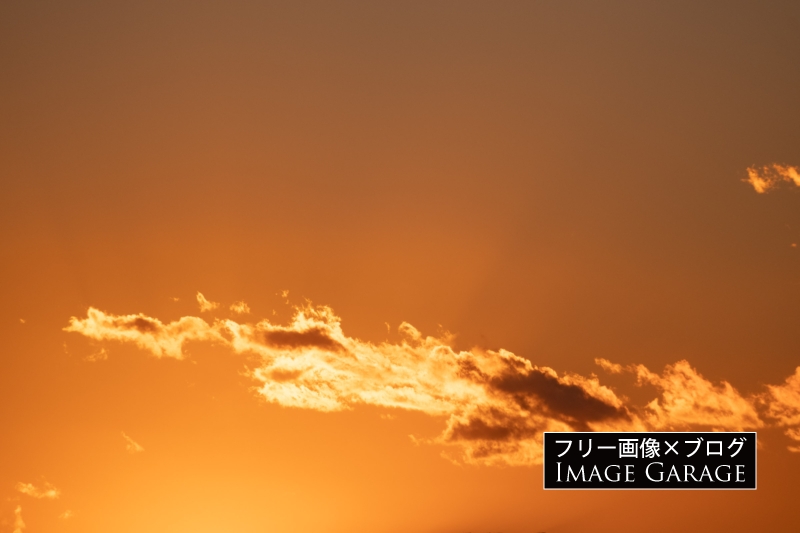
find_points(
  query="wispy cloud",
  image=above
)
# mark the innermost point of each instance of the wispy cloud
(148, 333)
(240, 308)
(131, 445)
(783, 404)
(101, 355)
(608, 366)
(689, 400)
(204, 304)
(19, 524)
(768, 177)
(494, 404)
(46, 491)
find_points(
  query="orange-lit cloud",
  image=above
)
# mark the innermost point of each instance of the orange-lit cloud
(204, 304)
(495, 404)
(101, 355)
(131, 445)
(147, 333)
(608, 366)
(767, 177)
(689, 400)
(240, 308)
(46, 491)
(19, 525)
(783, 404)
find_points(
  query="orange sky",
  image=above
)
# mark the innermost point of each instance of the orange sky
(467, 203)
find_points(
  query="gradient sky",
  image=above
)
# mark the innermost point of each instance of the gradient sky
(565, 181)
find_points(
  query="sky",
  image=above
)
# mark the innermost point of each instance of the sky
(335, 266)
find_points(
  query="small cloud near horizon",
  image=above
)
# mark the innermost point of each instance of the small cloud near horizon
(19, 524)
(205, 305)
(102, 355)
(240, 308)
(46, 491)
(765, 178)
(131, 445)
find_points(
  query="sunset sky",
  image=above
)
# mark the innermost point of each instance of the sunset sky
(333, 267)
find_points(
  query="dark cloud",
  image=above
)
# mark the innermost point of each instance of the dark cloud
(492, 425)
(143, 325)
(312, 338)
(559, 398)
(282, 376)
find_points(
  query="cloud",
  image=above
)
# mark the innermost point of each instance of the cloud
(46, 491)
(19, 525)
(102, 355)
(66, 515)
(608, 366)
(240, 308)
(162, 340)
(205, 305)
(768, 177)
(689, 400)
(131, 445)
(783, 406)
(494, 404)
